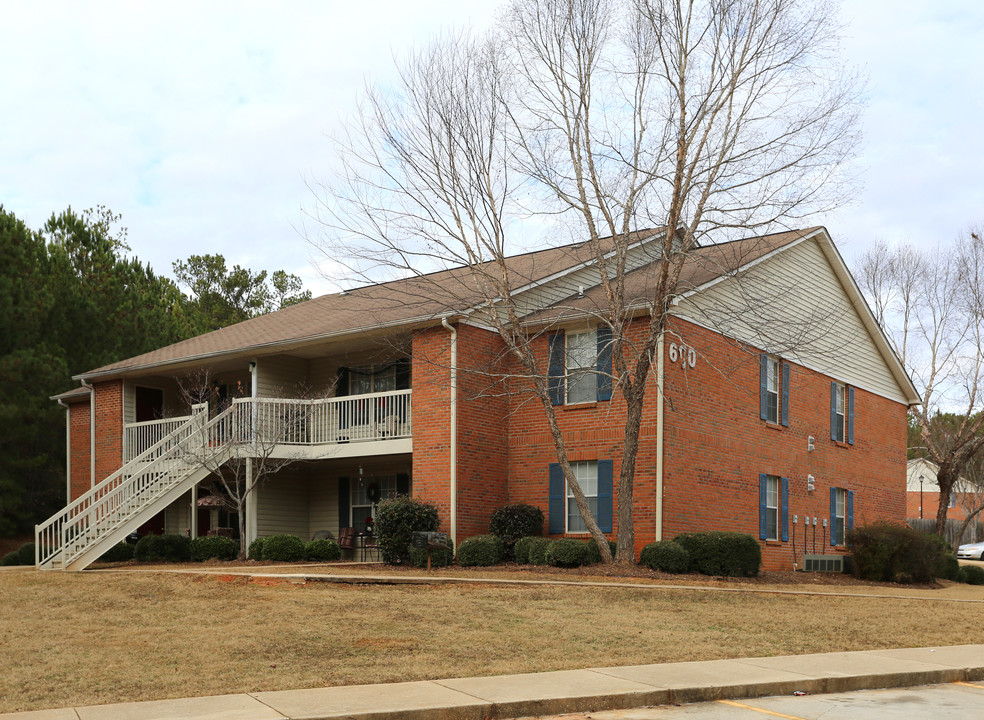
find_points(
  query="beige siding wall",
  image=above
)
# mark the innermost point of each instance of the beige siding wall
(177, 517)
(323, 374)
(793, 305)
(282, 505)
(280, 374)
(324, 503)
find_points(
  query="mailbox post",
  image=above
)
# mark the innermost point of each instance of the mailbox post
(430, 541)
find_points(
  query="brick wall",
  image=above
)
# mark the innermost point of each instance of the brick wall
(716, 446)
(109, 428)
(78, 429)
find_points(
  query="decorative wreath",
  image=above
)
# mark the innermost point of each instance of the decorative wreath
(372, 492)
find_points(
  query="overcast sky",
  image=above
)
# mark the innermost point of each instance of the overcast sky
(201, 123)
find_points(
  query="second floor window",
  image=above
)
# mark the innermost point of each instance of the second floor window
(842, 413)
(773, 390)
(580, 366)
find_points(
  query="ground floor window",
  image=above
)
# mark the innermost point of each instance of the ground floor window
(367, 492)
(841, 515)
(773, 508)
(587, 478)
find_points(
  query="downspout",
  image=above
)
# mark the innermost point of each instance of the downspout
(660, 432)
(252, 524)
(68, 451)
(454, 430)
(92, 432)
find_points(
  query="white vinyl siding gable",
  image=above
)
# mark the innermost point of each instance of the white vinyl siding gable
(794, 293)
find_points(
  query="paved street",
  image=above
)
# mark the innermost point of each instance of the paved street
(952, 701)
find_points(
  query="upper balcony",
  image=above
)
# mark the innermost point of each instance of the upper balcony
(351, 426)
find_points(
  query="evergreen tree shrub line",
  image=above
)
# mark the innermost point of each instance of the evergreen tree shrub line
(510, 523)
(397, 519)
(721, 554)
(887, 552)
(163, 548)
(120, 552)
(24, 555)
(481, 550)
(214, 547)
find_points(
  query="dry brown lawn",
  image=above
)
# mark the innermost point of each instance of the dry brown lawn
(91, 638)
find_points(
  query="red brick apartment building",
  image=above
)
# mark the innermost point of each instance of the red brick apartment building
(776, 408)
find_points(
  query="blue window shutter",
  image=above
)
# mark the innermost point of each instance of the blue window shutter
(604, 364)
(402, 484)
(785, 394)
(555, 369)
(605, 495)
(763, 526)
(833, 516)
(763, 386)
(849, 520)
(343, 503)
(850, 416)
(556, 500)
(833, 411)
(784, 506)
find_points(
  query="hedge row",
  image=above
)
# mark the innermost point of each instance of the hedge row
(290, 548)
(722, 554)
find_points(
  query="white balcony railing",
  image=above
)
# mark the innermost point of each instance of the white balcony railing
(328, 421)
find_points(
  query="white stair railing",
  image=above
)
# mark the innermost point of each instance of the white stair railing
(138, 437)
(116, 499)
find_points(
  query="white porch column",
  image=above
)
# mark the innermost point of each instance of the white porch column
(251, 522)
(194, 512)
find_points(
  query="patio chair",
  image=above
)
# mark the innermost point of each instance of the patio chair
(346, 540)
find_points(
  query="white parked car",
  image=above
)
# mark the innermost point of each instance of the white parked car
(974, 551)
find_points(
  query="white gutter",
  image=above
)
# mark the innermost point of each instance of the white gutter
(68, 451)
(454, 430)
(660, 432)
(92, 432)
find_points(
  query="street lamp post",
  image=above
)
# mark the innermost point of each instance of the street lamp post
(920, 497)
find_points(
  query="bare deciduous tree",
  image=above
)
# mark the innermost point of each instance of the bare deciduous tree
(245, 441)
(931, 305)
(599, 118)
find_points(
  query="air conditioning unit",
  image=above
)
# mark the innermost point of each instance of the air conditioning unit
(823, 563)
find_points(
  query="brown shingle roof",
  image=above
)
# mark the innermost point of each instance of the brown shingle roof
(398, 303)
(425, 299)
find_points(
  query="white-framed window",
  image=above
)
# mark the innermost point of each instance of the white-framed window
(361, 508)
(773, 390)
(586, 474)
(580, 361)
(839, 521)
(839, 414)
(772, 490)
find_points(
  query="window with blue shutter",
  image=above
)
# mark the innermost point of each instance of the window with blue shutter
(344, 520)
(785, 394)
(604, 364)
(605, 495)
(555, 369)
(763, 522)
(555, 506)
(784, 499)
(850, 415)
(763, 386)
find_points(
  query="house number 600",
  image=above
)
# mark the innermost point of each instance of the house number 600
(687, 356)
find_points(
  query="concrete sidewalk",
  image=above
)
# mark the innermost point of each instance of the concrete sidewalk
(513, 696)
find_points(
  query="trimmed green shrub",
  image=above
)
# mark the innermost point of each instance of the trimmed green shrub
(214, 547)
(521, 550)
(722, 554)
(396, 521)
(283, 548)
(10, 559)
(322, 551)
(896, 553)
(594, 554)
(568, 552)
(163, 548)
(537, 550)
(972, 574)
(255, 551)
(665, 556)
(481, 550)
(512, 522)
(949, 569)
(441, 557)
(25, 553)
(120, 552)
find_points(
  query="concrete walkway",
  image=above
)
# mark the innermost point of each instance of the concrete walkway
(513, 696)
